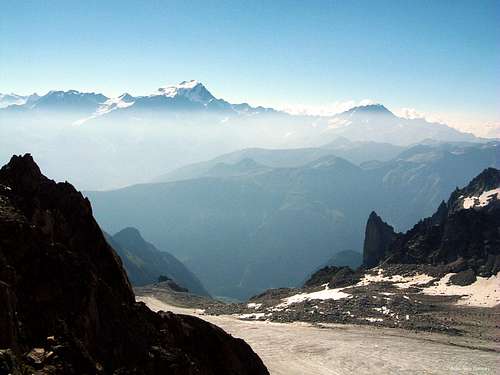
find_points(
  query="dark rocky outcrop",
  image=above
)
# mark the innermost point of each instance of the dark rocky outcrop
(67, 306)
(166, 282)
(335, 277)
(378, 237)
(462, 278)
(460, 235)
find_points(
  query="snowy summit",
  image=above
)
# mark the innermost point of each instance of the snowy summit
(193, 90)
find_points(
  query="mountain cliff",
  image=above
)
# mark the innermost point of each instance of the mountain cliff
(67, 305)
(465, 229)
(378, 237)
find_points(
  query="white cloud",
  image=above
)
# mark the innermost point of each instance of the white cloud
(412, 113)
(486, 131)
(457, 121)
(323, 110)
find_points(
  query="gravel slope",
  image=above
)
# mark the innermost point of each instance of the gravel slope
(300, 348)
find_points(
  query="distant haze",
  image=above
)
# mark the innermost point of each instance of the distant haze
(97, 142)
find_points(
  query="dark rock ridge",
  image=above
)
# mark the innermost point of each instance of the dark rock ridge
(165, 281)
(464, 232)
(67, 306)
(335, 277)
(144, 263)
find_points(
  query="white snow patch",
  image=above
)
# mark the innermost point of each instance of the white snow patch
(253, 305)
(483, 200)
(398, 280)
(384, 310)
(484, 292)
(409, 281)
(324, 294)
(191, 90)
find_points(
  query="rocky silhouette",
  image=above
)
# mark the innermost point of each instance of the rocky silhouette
(378, 237)
(67, 305)
(463, 233)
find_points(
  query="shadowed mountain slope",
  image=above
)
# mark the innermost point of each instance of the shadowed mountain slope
(144, 263)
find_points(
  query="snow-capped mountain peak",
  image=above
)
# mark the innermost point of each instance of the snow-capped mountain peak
(370, 109)
(123, 101)
(11, 99)
(480, 193)
(192, 90)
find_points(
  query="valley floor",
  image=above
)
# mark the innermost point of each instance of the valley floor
(300, 348)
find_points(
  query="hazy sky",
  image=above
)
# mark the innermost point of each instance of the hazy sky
(439, 57)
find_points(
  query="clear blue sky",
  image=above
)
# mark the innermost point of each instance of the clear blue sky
(437, 56)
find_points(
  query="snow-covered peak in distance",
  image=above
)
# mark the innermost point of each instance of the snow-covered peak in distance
(192, 90)
(123, 101)
(370, 109)
(71, 97)
(12, 99)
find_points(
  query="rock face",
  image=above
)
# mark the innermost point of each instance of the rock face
(144, 263)
(67, 305)
(464, 232)
(378, 236)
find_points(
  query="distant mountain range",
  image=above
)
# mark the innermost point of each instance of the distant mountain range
(244, 225)
(186, 96)
(14, 99)
(364, 123)
(257, 160)
(130, 139)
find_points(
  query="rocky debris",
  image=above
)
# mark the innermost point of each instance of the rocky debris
(344, 277)
(378, 236)
(8, 362)
(466, 277)
(390, 297)
(70, 307)
(164, 292)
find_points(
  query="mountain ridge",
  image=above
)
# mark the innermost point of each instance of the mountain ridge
(144, 263)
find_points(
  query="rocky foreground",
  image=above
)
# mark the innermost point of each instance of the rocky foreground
(66, 305)
(417, 298)
(328, 349)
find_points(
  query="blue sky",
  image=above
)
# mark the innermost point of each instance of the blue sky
(439, 57)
